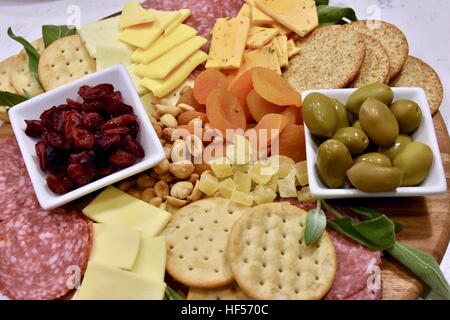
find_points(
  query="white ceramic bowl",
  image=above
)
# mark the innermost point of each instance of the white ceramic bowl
(435, 182)
(32, 109)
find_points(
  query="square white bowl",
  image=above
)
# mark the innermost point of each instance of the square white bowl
(435, 183)
(32, 109)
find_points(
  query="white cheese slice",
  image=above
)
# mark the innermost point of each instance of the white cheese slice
(151, 259)
(108, 56)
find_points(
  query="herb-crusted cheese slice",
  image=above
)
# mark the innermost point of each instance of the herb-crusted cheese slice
(229, 38)
(259, 18)
(162, 87)
(143, 35)
(298, 15)
(292, 49)
(282, 50)
(260, 36)
(133, 14)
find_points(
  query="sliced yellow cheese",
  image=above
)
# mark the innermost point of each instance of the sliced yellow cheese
(161, 88)
(292, 49)
(259, 18)
(108, 56)
(143, 35)
(151, 260)
(299, 16)
(260, 36)
(184, 14)
(229, 38)
(113, 206)
(133, 14)
(115, 246)
(282, 29)
(136, 80)
(164, 44)
(102, 282)
(101, 33)
(162, 66)
(282, 50)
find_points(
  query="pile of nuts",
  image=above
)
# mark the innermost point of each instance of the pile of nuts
(174, 182)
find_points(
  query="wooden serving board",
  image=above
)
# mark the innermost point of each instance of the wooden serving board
(426, 222)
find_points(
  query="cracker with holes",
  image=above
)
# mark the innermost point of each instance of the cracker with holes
(6, 66)
(269, 259)
(65, 60)
(228, 292)
(197, 237)
(22, 79)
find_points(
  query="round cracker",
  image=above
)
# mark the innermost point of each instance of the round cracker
(229, 292)
(417, 73)
(197, 236)
(21, 77)
(65, 60)
(270, 260)
(330, 58)
(39, 45)
(391, 38)
(6, 66)
(375, 67)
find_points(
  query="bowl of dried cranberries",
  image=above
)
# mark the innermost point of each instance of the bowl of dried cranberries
(84, 136)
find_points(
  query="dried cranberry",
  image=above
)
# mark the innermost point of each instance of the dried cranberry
(59, 184)
(92, 121)
(74, 104)
(116, 131)
(134, 129)
(115, 97)
(46, 116)
(83, 139)
(134, 147)
(57, 120)
(94, 106)
(120, 121)
(99, 92)
(56, 140)
(121, 159)
(105, 142)
(118, 109)
(34, 129)
(72, 121)
(81, 173)
(103, 172)
(40, 152)
(82, 157)
(55, 159)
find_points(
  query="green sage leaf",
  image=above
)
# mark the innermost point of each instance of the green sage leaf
(380, 231)
(373, 213)
(9, 99)
(316, 222)
(322, 2)
(51, 33)
(171, 294)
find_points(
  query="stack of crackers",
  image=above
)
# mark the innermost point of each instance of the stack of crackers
(361, 53)
(222, 250)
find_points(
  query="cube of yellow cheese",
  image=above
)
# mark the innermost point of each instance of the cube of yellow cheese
(164, 44)
(183, 15)
(244, 198)
(263, 194)
(304, 195)
(242, 181)
(162, 87)
(113, 206)
(143, 35)
(226, 188)
(208, 184)
(299, 16)
(133, 14)
(261, 172)
(102, 282)
(301, 173)
(229, 37)
(260, 36)
(221, 168)
(161, 67)
(151, 259)
(287, 187)
(115, 246)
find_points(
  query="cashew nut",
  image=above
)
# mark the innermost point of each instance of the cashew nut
(144, 181)
(127, 185)
(182, 169)
(165, 109)
(156, 201)
(157, 127)
(167, 177)
(185, 107)
(161, 189)
(179, 152)
(181, 190)
(147, 195)
(194, 177)
(167, 134)
(196, 193)
(135, 192)
(169, 121)
(167, 150)
(176, 202)
(162, 167)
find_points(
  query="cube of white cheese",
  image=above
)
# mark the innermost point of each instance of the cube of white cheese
(115, 246)
(151, 259)
(102, 282)
(116, 207)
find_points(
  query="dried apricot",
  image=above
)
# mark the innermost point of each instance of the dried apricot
(241, 87)
(187, 97)
(292, 143)
(259, 107)
(206, 82)
(268, 129)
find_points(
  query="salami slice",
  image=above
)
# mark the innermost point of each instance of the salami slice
(43, 253)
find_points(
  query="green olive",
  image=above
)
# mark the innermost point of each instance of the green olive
(333, 161)
(378, 122)
(320, 115)
(375, 158)
(378, 91)
(415, 160)
(355, 139)
(408, 115)
(369, 177)
(341, 114)
(357, 124)
(400, 143)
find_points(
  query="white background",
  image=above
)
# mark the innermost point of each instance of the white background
(426, 25)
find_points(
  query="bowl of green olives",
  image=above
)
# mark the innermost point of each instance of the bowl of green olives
(374, 141)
